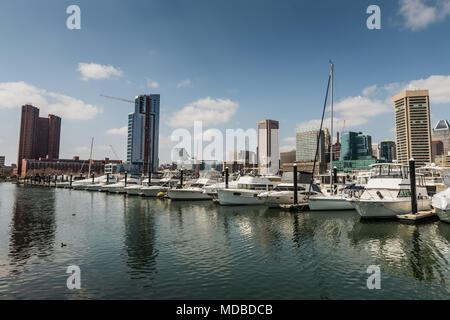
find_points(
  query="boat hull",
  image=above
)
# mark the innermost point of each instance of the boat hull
(329, 204)
(183, 194)
(229, 197)
(444, 215)
(133, 191)
(152, 192)
(387, 209)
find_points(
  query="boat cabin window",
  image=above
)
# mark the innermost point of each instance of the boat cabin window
(404, 193)
(255, 186)
(389, 171)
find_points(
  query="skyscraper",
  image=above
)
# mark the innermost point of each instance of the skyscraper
(306, 145)
(143, 133)
(39, 137)
(355, 146)
(412, 126)
(268, 147)
(441, 132)
(387, 150)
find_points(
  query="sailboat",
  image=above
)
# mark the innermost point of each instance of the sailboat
(331, 201)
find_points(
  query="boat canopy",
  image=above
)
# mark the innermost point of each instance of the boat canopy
(389, 170)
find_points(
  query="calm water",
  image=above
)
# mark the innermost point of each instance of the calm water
(132, 247)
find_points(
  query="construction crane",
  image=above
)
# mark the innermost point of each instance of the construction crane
(115, 98)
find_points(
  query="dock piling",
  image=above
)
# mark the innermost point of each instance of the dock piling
(295, 185)
(412, 177)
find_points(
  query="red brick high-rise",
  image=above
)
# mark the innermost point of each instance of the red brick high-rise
(39, 137)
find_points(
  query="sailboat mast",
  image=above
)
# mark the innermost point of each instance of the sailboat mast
(90, 157)
(331, 128)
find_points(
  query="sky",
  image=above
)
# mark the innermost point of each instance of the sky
(227, 63)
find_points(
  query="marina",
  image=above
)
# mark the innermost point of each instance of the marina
(150, 248)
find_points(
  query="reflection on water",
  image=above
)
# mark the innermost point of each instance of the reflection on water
(33, 227)
(140, 237)
(133, 247)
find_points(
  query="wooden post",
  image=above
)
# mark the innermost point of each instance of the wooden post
(181, 178)
(412, 178)
(226, 177)
(126, 179)
(295, 185)
(70, 181)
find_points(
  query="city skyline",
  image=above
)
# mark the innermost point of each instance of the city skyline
(202, 61)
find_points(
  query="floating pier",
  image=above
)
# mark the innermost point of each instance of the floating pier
(419, 216)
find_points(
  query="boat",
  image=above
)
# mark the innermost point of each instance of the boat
(247, 190)
(441, 203)
(157, 186)
(284, 194)
(119, 187)
(388, 192)
(99, 183)
(194, 191)
(437, 178)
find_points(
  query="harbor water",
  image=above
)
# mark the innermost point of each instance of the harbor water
(139, 248)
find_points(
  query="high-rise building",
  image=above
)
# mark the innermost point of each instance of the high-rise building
(441, 132)
(39, 137)
(306, 145)
(355, 146)
(376, 150)
(412, 126)
(356, 152)
(387, 150)
(2, 161)
(143, 133)
(268, 147)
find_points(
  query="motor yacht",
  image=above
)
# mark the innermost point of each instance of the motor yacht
(388, 192)
(194, 191)
(284, 194)
(119, 187)
(437, 178)
(157, 186)
(247, 190)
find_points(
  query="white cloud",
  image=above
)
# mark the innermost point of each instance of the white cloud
(185, 83)
(359, 110)
(16, 94)
(418, 14)
(355, 111)
(439, 87)
(118, 131)
(210, 111)
(97, 71)
(369, 90)
(152, 84)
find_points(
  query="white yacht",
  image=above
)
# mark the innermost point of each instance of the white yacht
(157, 186)
(437, 178)
(119, 187)
(81, 184)
(331, 202)
(99, 183)
(284, 194)
(441, 202)
(194, 191)
(388, 192)
(247, 190)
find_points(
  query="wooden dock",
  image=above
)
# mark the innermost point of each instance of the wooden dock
(421, 215)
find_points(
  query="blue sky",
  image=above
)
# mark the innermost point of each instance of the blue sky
(253, 59)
